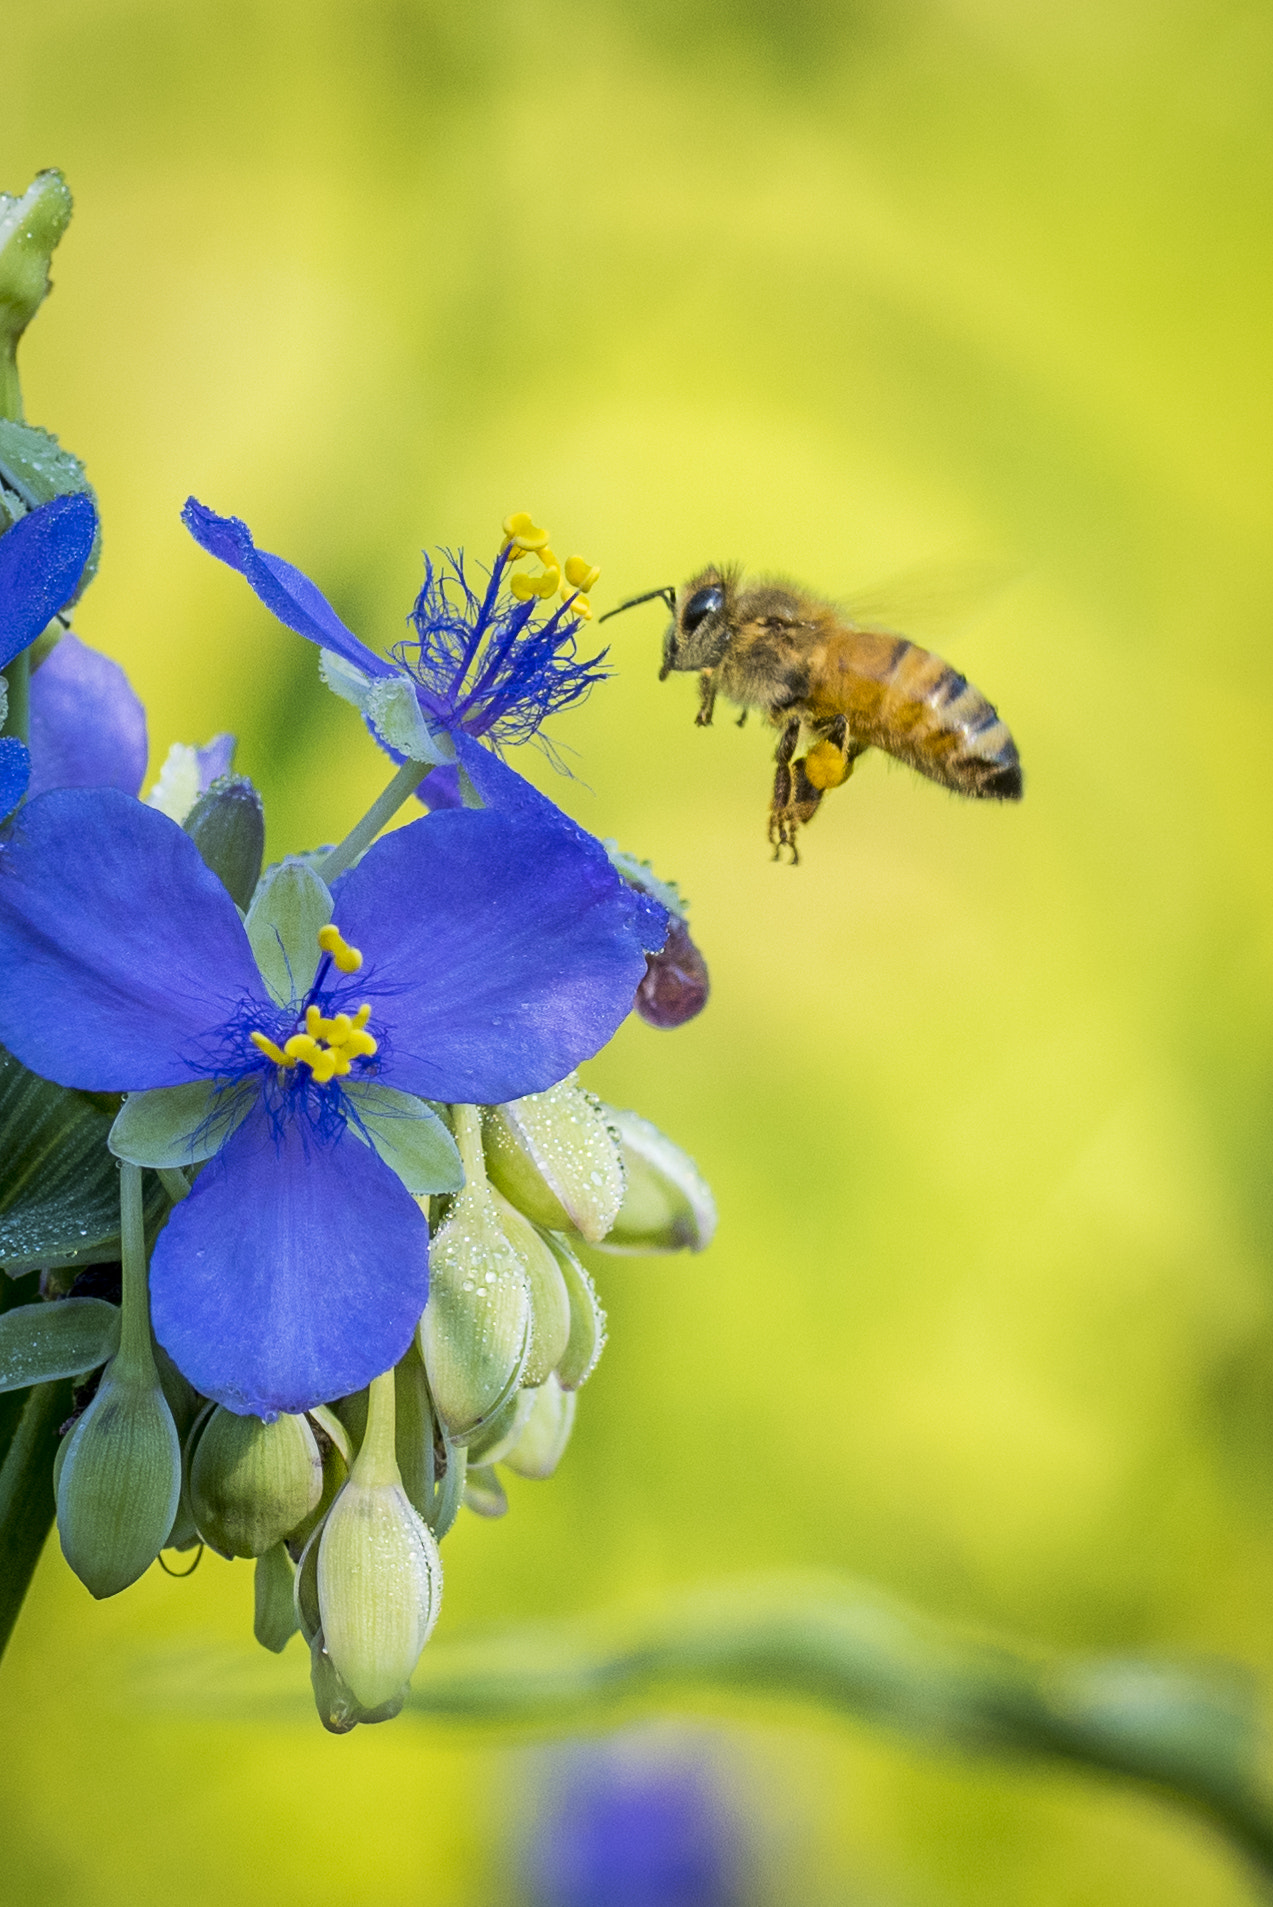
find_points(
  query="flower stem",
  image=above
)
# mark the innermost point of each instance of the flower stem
(382, 809)
(377, 1461)
(467, 1124)
(135, 1358)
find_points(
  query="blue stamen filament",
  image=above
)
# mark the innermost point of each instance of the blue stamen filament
(328, 1046)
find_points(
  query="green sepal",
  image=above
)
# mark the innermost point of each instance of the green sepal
(289, 907)
(408, 1135)
(227, 825)
(475, 1332)
(483, 1492)
(587, 1320)
(39, 1342)
(178, 1125)
(274, 1614)
(549, 1301)
(414, 1431)
(545, 1433)
(59, 1185)
(555, 1156)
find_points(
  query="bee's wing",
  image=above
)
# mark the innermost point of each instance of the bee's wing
(934, 601)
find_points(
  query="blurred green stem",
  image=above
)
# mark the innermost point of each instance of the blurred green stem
(1190, 1736)
(26, 1495)
(382, 809)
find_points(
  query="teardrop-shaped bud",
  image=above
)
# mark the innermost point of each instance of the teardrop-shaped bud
(338, 1707)
(675, 985)
(549, 1302)
(251, 1482)
(379, 1572)
(668, 1204)
(119, 1483)
(587, 1320)
(475, 1331)
(555, 1158)
(227, 825)
(545, 1433)
(484, 1493)
(274, 1619)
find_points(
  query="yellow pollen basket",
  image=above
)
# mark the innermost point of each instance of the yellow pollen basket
(523, 537)
(328, 1047)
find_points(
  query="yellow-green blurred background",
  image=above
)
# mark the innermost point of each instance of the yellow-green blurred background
(849, 288)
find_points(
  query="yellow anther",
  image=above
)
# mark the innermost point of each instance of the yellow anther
(520, 528)
(580, 606)
(362, 1016)
(302, 1046)
(580, 573)
(347, 958)
(547, 584)
(313, 1023)
(271, 1051)
(338, 1030)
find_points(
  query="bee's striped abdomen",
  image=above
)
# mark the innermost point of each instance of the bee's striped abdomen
(908, 702)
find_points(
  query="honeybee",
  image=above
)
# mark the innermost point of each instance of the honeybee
(839, 689)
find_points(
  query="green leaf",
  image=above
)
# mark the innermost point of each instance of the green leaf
(43, 1341)
(408, 1135)
(290, 906)
(59, 1186)
(178, 1125)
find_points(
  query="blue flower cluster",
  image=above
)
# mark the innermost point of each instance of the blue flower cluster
(474, 956)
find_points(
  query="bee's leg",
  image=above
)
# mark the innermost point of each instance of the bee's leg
(781, 822)
(741, 722)
(830, 761)
(706, 699)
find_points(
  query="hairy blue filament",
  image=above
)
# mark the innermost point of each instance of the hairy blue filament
(486, 665)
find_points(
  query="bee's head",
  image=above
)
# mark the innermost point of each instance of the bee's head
(699, 633)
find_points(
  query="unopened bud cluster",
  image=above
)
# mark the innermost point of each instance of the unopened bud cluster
(343, 1508)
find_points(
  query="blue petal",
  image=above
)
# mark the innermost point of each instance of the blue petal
(215, 759)
(41, 561)
(287, 592)
(502, 787)
(441, 788)
(121, 952)
(498, 953)
(88, 728)
(15, 773)
(295, 1272)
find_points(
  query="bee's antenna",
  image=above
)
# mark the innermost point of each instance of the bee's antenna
(667, 595)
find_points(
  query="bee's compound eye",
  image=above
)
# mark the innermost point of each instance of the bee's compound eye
(703, 603)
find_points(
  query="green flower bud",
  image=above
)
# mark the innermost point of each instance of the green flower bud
(336, 1451)
(484, 1493)
(555, 1158)
(545, 1433)
(667, 1204)
(502, 1432)
(379, 1574)
(119, 1481)
(30, 227)
(549, 1301)
(587, 1320)
(252, 1483)
(118, 1475)
(338, 1707)
(227, 825)
(475, 1331)
(274, 1622)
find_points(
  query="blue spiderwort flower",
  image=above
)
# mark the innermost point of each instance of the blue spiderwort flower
(42, 558)
(472, 957)
(481, 662)
(628, 1831)
(88, 726)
